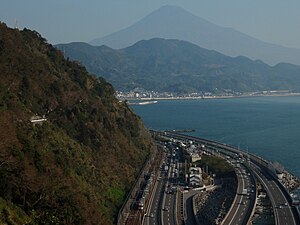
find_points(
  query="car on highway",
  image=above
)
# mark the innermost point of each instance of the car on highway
(279, 206)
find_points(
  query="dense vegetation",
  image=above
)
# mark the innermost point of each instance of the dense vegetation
(216, 165)
(181, 67)
(77, 166)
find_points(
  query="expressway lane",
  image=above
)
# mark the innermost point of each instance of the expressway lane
(169, 215)
(243, 204)
(281, 208)
(162, 207)
(284, 215)
(240, 204)
(169, 199)
(154, 213)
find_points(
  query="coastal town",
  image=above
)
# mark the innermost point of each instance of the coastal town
(142, 94)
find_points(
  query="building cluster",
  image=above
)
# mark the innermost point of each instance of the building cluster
(193, 152)
(192, 155)
(140, 93)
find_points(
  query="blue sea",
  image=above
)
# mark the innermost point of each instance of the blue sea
(266, 126)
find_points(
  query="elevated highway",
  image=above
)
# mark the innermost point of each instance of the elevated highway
(284, 212)
(243, 204)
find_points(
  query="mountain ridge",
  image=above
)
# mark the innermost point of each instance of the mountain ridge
(178, 66)
(173, 22)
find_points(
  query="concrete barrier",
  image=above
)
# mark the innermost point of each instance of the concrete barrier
(194, 209)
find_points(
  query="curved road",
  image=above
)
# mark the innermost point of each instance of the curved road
(282, 209)
(239, 212)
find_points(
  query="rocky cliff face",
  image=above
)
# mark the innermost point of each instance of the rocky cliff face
(76, 166)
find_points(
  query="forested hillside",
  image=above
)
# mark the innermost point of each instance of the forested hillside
(181, 67)
(77, 166)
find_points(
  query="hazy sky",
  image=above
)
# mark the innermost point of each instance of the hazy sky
(61, 21)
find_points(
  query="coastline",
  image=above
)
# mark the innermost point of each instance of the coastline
(214, 97)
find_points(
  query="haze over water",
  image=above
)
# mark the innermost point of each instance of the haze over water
(266, 126)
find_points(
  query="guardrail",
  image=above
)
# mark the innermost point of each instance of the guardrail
(259, 160)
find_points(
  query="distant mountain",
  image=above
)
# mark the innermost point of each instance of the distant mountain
(173, 22)
(181, 67)
(77, 166)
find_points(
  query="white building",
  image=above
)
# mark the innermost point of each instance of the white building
(195, 157)
(37, 120)
(195, 177)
